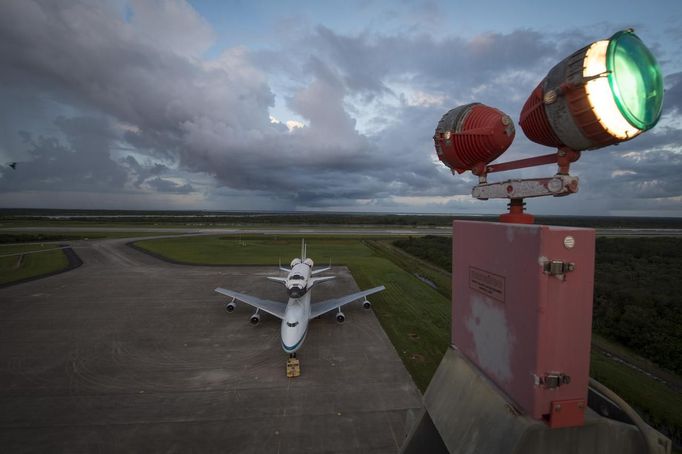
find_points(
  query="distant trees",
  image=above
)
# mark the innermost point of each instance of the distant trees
(638, 296)
(435, 249)
(307, 218)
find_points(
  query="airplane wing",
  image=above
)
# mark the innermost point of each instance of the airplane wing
(271, 307)
(328, 305)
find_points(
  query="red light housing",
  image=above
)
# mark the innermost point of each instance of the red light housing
(468, 137)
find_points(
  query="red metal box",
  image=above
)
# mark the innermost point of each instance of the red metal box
(522, 312)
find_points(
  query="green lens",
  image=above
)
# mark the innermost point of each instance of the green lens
(635, 79)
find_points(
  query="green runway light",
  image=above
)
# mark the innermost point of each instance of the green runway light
(635, 80)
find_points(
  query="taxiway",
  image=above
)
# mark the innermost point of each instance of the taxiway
(128, 353)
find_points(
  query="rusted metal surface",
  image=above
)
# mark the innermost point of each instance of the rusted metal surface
(523, 323)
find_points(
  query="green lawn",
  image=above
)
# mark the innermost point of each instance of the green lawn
(18, 267)
(415, 316)
(655, 401)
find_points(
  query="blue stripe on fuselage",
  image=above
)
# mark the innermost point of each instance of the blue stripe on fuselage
(297, 344)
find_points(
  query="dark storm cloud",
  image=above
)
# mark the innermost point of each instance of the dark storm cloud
(673, 93)
(163, 185)
(146, 81)
(87, 56)
(141, 172)
(367, 62)
(81, 163)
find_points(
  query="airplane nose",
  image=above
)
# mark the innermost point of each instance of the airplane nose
(289, 339)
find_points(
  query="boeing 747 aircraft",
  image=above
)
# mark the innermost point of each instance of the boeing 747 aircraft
(296, 313)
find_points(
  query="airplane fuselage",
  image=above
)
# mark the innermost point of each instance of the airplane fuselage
(295, 323)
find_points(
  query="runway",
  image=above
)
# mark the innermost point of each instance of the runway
(127, 353)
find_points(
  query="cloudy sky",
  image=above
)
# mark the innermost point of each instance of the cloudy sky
(303, 105)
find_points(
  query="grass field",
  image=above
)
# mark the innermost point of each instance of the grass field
(656, 402)
(18, 267)
(415, 316)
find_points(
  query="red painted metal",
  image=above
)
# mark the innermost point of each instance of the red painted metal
(482, 137)
(522, 163)
(566, 413)
(566, 156)
(517, 322)
(516, 213)
(533, 119)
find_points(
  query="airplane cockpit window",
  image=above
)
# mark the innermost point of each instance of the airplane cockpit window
(291, 325)
(297, 277)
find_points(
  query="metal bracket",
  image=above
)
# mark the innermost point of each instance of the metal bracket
(557, 186)
(566, 413)
(558, 267)
(552, 381)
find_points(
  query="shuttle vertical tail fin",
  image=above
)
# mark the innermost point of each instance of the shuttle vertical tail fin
(303, 249)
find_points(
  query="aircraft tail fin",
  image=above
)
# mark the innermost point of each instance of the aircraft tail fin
(303, 249)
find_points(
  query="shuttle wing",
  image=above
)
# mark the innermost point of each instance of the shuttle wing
(316, 280)
(321, 270)
(281, 280)
(271, 307)
(328, 305)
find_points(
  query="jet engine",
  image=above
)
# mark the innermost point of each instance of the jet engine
(366, 304)
(255, 319)
(340, 317)
(295, 262)
(229, 307)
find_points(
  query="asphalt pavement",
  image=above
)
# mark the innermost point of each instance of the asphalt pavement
(131, 354)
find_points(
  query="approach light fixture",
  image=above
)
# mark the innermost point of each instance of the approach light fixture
(469, 137)
(605, 93)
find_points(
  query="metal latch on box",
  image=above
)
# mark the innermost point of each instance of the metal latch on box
(558, 267)
(551, 381)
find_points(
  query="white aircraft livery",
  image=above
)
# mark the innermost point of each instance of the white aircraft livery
(298, 311)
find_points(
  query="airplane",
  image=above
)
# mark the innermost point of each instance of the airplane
(298, 311)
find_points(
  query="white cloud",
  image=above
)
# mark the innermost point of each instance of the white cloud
(620, 173)
(294, 124)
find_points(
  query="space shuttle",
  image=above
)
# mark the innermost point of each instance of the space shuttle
(298, 310)
(300, 277)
